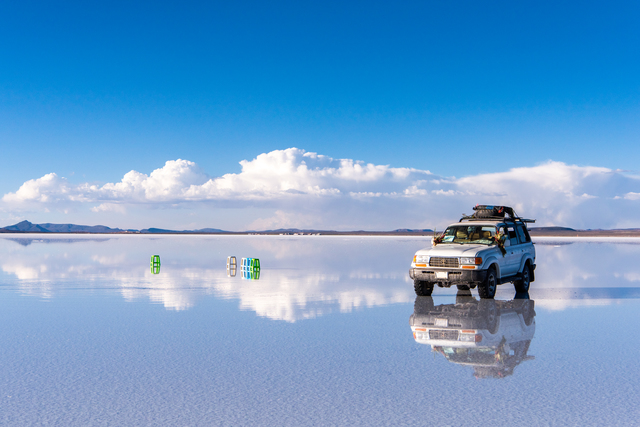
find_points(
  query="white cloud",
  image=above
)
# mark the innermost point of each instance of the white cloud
(109, 207)
(171, 183)
(50, 188)
(309, 189)
(282, 219)
(557, 193)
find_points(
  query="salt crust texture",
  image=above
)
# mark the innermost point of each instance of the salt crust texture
(74, 352)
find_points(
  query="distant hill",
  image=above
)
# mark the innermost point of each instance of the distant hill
(28, 227)
(542, 230)
(164, 231)
(157, 230)
(210, 230)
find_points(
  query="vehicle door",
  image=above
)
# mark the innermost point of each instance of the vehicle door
(503, 260)
(514, 252)
(525, 242)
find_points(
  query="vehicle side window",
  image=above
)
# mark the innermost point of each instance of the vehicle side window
(522, 234)
(513, 236)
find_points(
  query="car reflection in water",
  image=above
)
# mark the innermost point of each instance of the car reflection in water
(491, 336)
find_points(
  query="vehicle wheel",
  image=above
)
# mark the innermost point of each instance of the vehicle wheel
(423, 305)
(528, 313)
(522, 285)
(423, 289)
(464, 297)
(489, 312)
(463, 287)
(487, 289)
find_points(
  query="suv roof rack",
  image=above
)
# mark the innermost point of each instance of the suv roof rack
(494, 213)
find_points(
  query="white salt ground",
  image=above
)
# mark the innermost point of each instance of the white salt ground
(91, 337)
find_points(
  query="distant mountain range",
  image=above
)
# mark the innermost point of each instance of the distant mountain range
(28, 227)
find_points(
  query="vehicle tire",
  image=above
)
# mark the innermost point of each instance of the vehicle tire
(487, 289)
(463, 287)
(464, 297)
(422, 288)
(522, 285)
(489, 312)
(423, 305)
(528, 312)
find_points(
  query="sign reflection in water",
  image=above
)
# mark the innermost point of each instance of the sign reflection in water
(304, 277)
(155, 264)
(232, 265)
(83, 353)
(307, 277)
(489, 335)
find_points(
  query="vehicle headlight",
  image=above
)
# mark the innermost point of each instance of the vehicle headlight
(421, 335)
(471, 260)
(422, 259)
(470, 337)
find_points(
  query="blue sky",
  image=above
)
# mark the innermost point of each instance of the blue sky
(460, 89)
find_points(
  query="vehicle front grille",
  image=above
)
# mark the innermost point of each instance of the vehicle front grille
(443, 334)
(443, 262)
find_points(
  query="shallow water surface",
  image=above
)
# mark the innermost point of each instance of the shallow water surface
(331, 333)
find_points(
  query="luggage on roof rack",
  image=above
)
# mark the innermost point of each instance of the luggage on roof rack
(484, 212)
(490, 211)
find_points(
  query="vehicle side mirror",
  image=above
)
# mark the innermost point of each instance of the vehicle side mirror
(507, 243)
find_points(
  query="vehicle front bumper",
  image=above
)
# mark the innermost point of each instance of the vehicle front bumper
(453, 275)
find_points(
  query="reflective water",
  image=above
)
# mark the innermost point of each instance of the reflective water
(323, 335)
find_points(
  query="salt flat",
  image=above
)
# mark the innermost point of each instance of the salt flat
(91, 337)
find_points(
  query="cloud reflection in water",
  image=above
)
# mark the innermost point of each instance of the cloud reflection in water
(301, 277)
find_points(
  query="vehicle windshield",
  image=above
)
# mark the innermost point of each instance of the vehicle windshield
(481, 234)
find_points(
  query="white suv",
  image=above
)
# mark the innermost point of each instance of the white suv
(486, 249)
